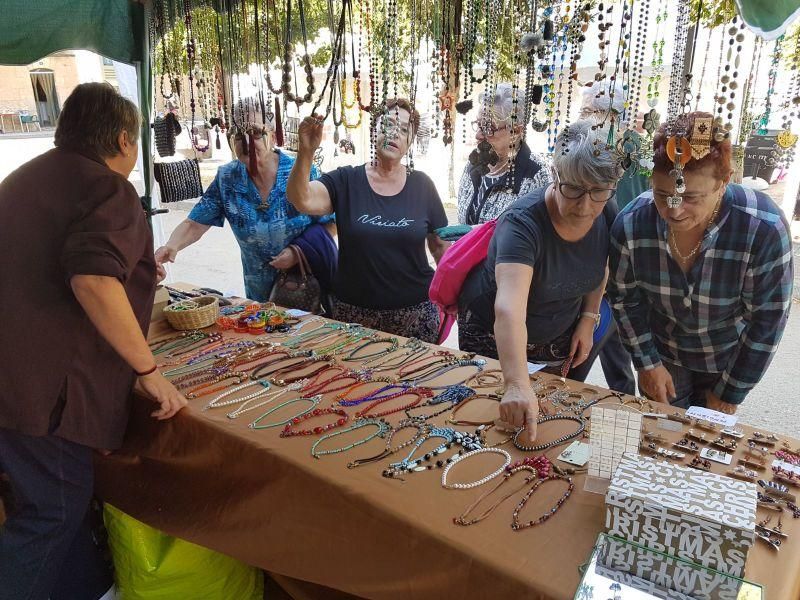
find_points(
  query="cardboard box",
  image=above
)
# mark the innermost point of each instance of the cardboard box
(697, 516)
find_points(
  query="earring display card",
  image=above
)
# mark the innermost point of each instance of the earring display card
(614, 432)
(713, 416)
(577, 453)
(703, 517)
(716, 455)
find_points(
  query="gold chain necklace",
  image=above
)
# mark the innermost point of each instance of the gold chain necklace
(700, 243)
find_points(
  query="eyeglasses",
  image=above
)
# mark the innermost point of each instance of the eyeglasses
(576, 192)
(391, 128)
(487, 128)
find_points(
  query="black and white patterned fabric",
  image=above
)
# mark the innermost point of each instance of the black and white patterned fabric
(481, 199)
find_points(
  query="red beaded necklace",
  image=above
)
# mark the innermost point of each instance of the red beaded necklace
(317, 412)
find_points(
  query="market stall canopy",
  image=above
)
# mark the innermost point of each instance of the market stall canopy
(768, 18)
(29, 30)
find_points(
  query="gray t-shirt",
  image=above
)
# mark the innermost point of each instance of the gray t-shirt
(563, 272)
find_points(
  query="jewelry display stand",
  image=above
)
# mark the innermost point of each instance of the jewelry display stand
(614, 431)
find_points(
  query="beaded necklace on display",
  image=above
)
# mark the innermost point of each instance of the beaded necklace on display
(553, 111)
(729, 81)
(345, 399)
(183, 339)
(634, 89)
(353, 355)
(487, 478)
(219, 401)
(414, 349)
(419, 394)
(676, 97)
(428, 377)
(703, 70)
(289, 431)
(254, 401)
(315, 400)
(459, 405)
(786, 140)
(557, 441)
(421, 429)
(382, 428)
(452, 396)
(314, 386)
(515, 523)
(279, 377)
(228, 379)
(467, 442)
(465, 520)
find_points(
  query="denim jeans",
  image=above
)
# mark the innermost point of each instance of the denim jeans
(46, 550)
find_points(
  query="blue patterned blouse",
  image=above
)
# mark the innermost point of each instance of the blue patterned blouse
(261, 234)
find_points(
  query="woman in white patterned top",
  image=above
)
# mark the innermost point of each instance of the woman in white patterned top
(486, 189)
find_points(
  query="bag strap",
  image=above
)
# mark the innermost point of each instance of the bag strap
(305, 270)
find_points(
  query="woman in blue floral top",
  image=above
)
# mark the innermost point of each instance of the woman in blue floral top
(251, 195)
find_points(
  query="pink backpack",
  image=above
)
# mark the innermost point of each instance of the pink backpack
(452, 271)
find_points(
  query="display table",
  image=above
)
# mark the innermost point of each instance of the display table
(266, 501)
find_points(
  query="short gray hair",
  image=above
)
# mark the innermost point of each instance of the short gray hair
(602, 98)
(501, 105)
(583, 154)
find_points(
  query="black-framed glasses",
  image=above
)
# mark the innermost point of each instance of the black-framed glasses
(487, 128)
(576, 192)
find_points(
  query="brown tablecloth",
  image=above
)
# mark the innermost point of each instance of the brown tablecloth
(266, 501)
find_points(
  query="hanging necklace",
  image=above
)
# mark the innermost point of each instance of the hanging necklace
(288, 51)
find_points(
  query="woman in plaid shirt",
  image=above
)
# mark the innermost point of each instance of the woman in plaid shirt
(701, 290)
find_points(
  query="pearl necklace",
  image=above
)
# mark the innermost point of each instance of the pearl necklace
(217, 401)
(482, 480)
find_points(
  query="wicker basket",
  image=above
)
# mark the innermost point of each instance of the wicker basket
(195, 313)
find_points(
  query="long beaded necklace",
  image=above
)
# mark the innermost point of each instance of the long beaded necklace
(382, 429)
(315, 400)
(353, 355)
(487, 478)
(452, 396)
(786, 140)
(729, 81)
(516, 525)
(253, 402)
(426, 378)
(464, 518)
(676, 97)
(558, 441)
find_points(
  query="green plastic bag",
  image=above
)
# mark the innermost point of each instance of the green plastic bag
(151, 565)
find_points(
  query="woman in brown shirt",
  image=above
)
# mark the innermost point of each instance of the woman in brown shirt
(77, 267)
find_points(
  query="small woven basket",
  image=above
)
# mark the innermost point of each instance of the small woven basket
(195, 313)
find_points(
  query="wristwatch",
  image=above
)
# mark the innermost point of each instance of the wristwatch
(594, 316)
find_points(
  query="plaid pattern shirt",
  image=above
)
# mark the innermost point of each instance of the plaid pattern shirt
(728, 313)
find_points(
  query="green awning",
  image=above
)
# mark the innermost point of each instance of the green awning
(32, 29)
(768, 18)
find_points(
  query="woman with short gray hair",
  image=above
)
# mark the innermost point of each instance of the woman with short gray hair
(486, 188)
(537, 295)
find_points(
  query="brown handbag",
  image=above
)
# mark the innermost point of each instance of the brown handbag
(297, 287)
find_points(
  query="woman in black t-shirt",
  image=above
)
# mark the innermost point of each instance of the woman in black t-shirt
(537, 295)
(384, 216)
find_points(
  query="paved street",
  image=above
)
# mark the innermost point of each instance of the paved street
(214, 262)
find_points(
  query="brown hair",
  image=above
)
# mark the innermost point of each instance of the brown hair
(719, 156)
(92, 118)
(406, 106)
